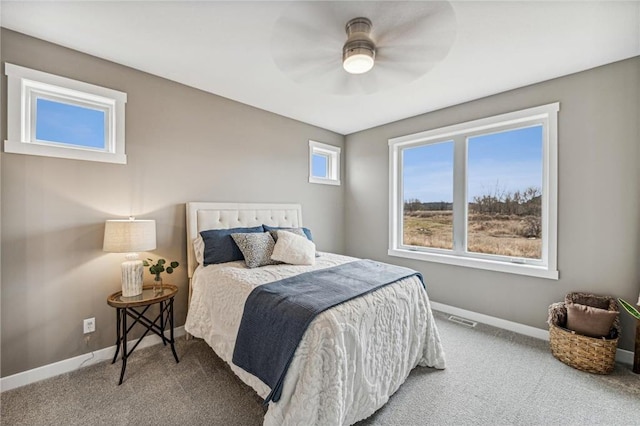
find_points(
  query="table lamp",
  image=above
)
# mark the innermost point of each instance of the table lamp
(130, 236)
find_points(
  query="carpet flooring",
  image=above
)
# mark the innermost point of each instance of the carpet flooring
(493, 377)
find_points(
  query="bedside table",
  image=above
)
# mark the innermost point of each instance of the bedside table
(136, 307)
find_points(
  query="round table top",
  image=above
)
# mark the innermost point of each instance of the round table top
(150, 295)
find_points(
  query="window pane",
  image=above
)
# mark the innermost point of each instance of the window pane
(70, 124)
(320, 166)
(504, 178)
(427, 183)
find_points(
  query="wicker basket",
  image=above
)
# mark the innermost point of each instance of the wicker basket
(590, 354)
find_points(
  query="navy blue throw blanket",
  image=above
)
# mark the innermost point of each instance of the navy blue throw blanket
(276, 315)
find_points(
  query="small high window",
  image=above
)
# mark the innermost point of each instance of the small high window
(324, 163)
(55, 116)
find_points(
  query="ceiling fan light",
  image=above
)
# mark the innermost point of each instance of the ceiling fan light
(358, 62)
(359, 52)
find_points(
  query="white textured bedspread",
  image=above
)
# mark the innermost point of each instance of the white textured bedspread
(352, 358)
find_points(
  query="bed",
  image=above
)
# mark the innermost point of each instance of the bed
(352, 357)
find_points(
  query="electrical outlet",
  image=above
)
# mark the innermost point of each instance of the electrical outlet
(89, 325)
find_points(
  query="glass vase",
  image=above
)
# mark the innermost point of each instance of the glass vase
(157, 284)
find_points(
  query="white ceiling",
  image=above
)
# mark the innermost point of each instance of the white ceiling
(231, 49)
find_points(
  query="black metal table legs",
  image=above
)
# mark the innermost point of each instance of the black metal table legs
(165, 316)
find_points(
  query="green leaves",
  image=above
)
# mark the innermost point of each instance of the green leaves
(629, 308)
(173, 266)
(158, 267)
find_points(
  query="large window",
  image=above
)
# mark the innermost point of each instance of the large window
(480, 194)
(58, 117)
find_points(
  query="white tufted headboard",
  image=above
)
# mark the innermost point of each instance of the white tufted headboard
(203, 215)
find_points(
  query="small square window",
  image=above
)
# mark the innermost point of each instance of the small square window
(324, 163)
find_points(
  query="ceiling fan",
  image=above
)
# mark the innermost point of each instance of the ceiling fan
(361, 47)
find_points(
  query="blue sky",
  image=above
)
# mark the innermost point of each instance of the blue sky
(507, 161)
(70, 124)
(319, 166)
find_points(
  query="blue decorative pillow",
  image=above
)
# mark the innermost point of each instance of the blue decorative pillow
(307, 231)
(219, 247)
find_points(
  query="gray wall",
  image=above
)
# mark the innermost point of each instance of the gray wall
(182, 145)
(599, 188)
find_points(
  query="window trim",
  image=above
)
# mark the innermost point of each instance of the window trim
(25, 85)
(459, 133)
(333, 162)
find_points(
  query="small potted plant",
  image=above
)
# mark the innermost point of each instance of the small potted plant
(158, 268)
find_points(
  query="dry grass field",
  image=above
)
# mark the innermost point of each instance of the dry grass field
(493, 234)
(429, 229)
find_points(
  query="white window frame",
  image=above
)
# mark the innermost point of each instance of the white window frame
(546, 267)
(25, 85)
(333, 162)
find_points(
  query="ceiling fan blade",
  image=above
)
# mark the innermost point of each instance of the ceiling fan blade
(428, 20)
(412, 53)
(314, 22)
(334, 81)
(286, 60)
(407, 69)
(302, 46)
(305, 31)
(313, 71)
(369, 84)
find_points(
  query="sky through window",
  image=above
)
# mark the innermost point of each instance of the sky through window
(507, 161)
(70, 124)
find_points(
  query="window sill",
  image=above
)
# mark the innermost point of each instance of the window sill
(324, 181)
(489, 265)
(71, 153)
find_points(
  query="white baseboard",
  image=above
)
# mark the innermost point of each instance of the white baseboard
(71, 364)
(623, 356)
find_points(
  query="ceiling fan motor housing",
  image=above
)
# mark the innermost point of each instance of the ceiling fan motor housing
(359, 42)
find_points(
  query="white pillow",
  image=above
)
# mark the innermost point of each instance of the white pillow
(294, 249)
(198, 248)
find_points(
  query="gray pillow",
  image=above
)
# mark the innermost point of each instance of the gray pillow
(256, 248)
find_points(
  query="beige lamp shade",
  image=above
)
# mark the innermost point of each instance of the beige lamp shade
(129, 236)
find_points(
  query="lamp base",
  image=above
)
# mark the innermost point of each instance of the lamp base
(132, 278)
